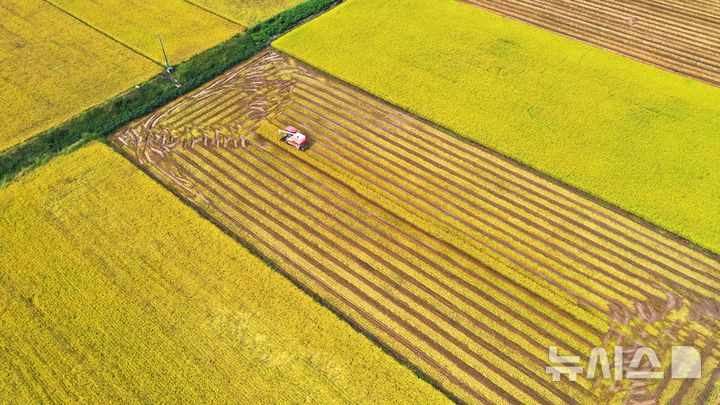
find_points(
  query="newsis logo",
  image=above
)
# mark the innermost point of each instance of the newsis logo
(685, 362)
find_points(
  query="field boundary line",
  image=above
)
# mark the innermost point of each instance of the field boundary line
(216, 14)
(652, 227)
(103, 33)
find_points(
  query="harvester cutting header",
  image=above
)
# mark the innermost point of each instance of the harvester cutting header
(293, 137)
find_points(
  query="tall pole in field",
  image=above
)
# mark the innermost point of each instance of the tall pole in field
(164, 54)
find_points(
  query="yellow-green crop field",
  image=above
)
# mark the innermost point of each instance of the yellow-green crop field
(54, 67)
(461, 261)
(636, 136)
(113, 290)
(247, 12)
(60, 57)
(185, 28)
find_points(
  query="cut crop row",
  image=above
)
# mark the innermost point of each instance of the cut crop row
(346, 273)
(577, 212)
(469, 270)
(500, 211)
(632, 263)
(388, 276)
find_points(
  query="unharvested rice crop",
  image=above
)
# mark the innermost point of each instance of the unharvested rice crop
(247, 12)
(52, 67)
(114, 291)
(676, 35)
(634, 135)
(464, 263)
(186, 29)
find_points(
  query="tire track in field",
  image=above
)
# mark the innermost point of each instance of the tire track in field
(106, 35)
(215, 14)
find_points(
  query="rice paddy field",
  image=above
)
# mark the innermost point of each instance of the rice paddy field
(186, 29)
(641, 138)
(61, 57)
(113, 290)
(53, 67)
(196, 257)
(247, 12)
(676, 35)
(464, 263)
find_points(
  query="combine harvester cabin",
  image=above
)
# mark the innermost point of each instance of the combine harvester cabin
(293, 137)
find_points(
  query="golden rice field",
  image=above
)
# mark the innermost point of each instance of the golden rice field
(462, 262)
(186, 29)
(61, 57)
(54, 67)
(247, 12)
(114, 291)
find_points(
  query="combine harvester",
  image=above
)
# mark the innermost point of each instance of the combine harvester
(293, 137)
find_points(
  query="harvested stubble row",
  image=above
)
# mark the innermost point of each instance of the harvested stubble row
(679, 36)
(462, 262)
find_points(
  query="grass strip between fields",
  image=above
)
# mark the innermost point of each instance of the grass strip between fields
(101, 120)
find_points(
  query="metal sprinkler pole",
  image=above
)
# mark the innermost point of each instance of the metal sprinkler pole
(164, 54)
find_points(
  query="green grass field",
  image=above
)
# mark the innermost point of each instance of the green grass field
(636, 136)
(113, 290)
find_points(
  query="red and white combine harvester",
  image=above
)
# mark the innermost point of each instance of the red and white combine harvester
(292, 136)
